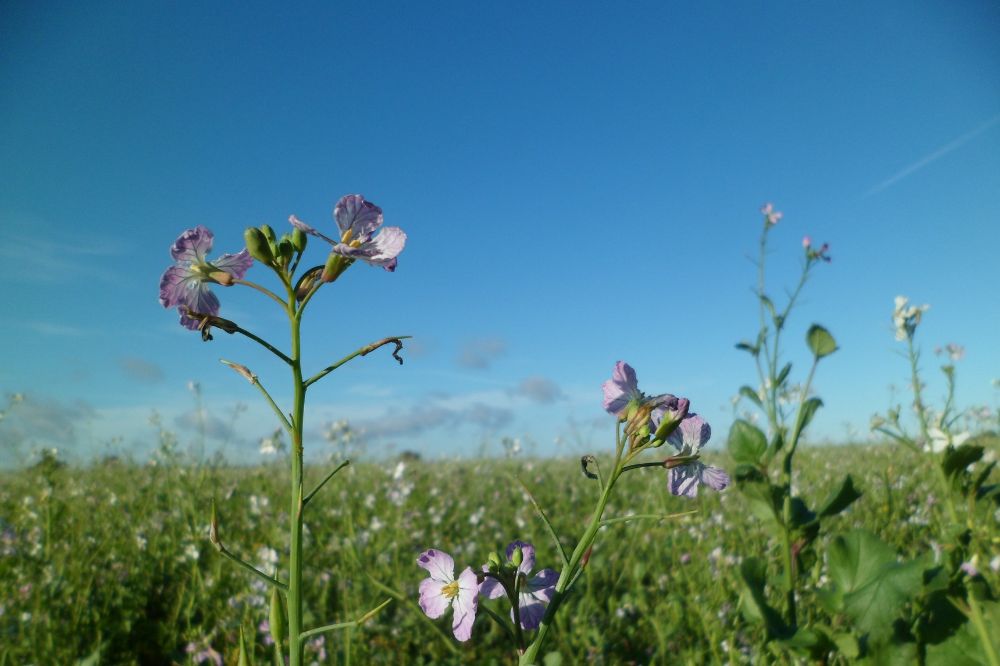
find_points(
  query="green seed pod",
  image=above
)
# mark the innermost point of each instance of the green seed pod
(299, 239)
(258, 246)
(277, 618)
(243, 659)
(285, 250)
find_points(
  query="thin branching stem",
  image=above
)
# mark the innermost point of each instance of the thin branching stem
(362, 351)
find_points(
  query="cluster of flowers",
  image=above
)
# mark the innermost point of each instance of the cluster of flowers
(185, 285)
(905, 317)
(442, 589)
(624, 400)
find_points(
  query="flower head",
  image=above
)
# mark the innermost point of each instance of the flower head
(358, 220)
(535, 593)
(623, 399)
(185, 285)
(771, 216)
(955, 352)
(442, 589)
(688, 439)
(813, 253)
(905, 317)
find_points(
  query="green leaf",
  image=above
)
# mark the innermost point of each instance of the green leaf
(783, 375)
(956, 460)
(552, 659)
(93, 659)
(820, 341)
(807, 642)
(746, 442)
(848, 645)
(751, 395)
(874, 584)
(748, 347)
(807, 410)
(846, 495)
(755, 606)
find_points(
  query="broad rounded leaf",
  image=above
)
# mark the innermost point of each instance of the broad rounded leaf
(746, 442)
(820, 341)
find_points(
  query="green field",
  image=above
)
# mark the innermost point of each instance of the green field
(115, 560)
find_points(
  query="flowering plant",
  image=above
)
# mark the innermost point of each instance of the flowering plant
(643, 423)
(187, 286)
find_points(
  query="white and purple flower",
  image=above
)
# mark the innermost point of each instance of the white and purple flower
(442, 589)
(185, 285)
(622, 391)
(690, 436)
(358, 221)
(536, 592)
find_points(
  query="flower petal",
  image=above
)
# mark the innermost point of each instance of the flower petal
(302, 226)
(692, 434)
(236, 265)
(620, 389)
(532, 611)
(439, 565)
(543, 585)
(192, 246)
(490, 587)
(527, 550)
(715, 478)
(432, 601)
(360, 216)
(464, 605)
(172, 285)
(380, 251)
(683, 481)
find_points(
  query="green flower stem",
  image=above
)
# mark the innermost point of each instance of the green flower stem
(985, 636)
(506, 626)
(568, 574)
(918, 403)
(267, 292)
(351, 624)
(295, 642)
(363, 351)
(322, 483)
(645, 516)
(515, 605)
(274, 407)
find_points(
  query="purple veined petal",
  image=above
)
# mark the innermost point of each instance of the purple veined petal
(305, 228)
(490, 587)
(432, 601)
(692, 434)
(236, 265)
(683, 481)
(172, 285)
(380, 251)
(439, 565)
(192, 246)
(543, 585)
(531, 610)
(197, 297)
(360, 216)
(715, 478)
(464, 605)
(620, 389)
(667, 404)
(527, 550)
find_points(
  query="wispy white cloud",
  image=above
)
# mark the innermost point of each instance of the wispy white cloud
(55, 329)
(481, 352)
(41, 260)
(933, 156)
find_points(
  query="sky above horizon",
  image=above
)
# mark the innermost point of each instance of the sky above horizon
(579, 184)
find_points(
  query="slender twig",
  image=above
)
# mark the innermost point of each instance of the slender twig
(267, 396)
(264, 343)
(545, 520)
(305, 500)
(346, 625)
(363, 351)
(270, 580)
(499, 620)
(645, 516)
(263, 290)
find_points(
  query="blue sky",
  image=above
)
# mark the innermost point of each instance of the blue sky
(579, 184)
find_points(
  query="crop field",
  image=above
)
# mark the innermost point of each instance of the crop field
(116, 560)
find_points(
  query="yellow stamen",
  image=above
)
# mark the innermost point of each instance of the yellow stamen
(450, 591)
(346, 236)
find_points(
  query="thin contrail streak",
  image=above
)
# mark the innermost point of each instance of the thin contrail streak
(937, 154)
